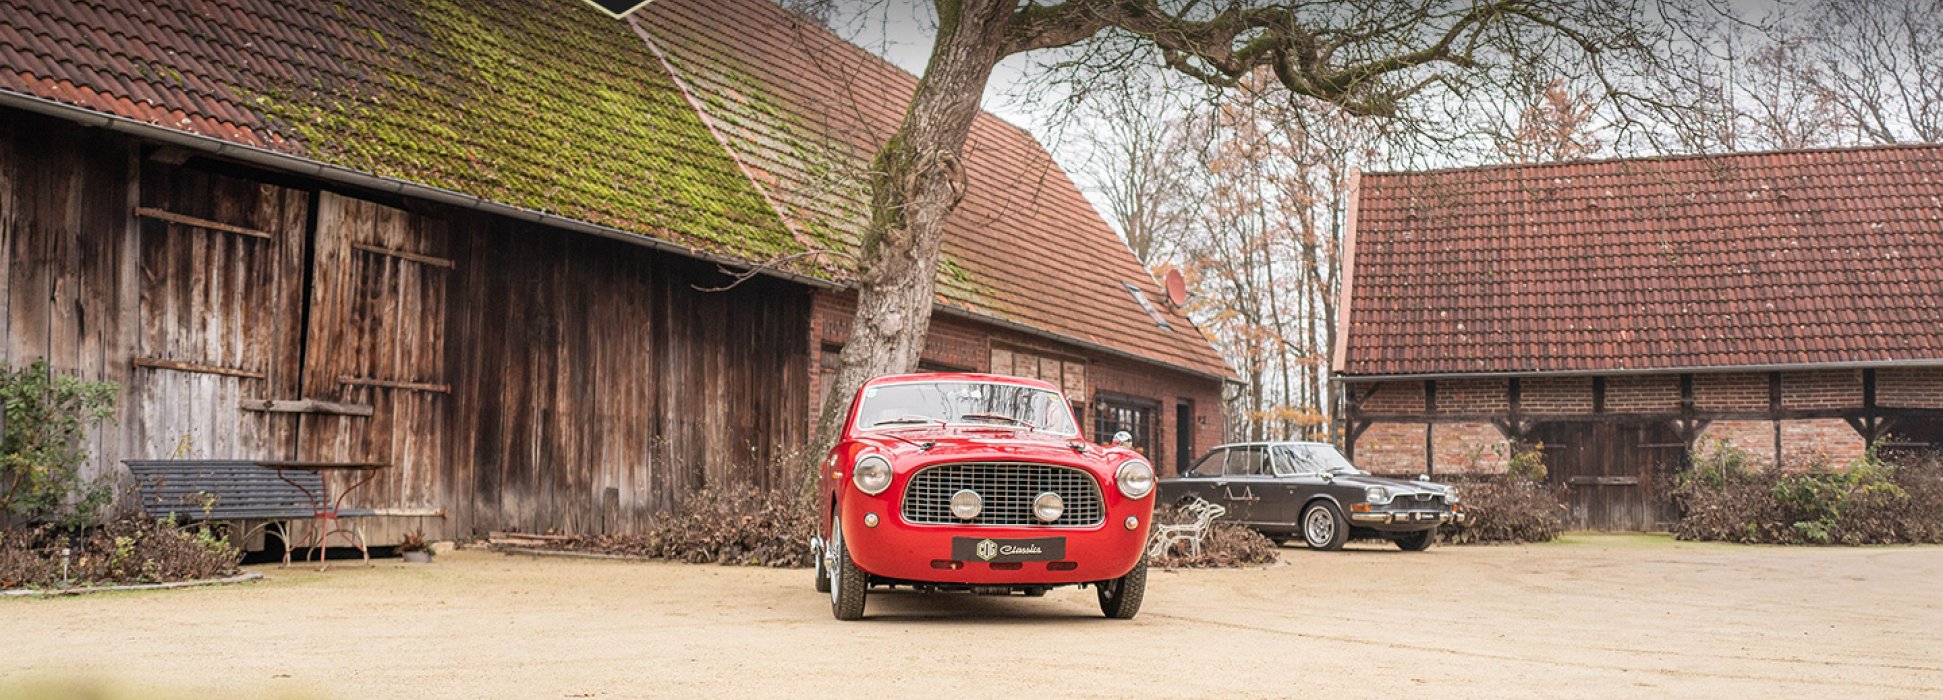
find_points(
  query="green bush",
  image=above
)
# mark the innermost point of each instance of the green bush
(128, 550)
(44, 444)
(1869, 501)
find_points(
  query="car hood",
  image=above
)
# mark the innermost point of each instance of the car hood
(1397, 486)
(954, 444)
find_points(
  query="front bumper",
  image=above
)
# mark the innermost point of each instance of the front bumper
(1406, 520)
(921, 553)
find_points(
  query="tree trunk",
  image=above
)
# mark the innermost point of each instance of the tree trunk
(917, 181)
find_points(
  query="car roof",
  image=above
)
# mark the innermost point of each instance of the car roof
(1263, 443)
(961, 377)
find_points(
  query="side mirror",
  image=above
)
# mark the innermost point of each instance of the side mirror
(1424, 478)
(1122, 439)
(1328, 477)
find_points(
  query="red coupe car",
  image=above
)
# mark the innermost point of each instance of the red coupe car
(979, 483)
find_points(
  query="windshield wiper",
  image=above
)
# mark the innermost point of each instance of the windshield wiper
(1000, 417)
(908, 420)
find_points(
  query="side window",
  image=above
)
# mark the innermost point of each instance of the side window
(1243, 461)
(1209, 465)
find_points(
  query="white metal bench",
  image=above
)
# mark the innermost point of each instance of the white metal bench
(1166, 536)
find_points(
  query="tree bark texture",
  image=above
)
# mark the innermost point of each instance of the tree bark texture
(917, 181)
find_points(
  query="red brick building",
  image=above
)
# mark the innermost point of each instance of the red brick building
(491, 245)
(1620, 312)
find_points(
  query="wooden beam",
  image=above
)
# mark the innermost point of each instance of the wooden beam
(186, 220)
(390, 384)
(173, 365)
(306, 406)
(406, 255)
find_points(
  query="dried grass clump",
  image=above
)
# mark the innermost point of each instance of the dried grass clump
(129, 550)
(734, 526)
(1226, 545)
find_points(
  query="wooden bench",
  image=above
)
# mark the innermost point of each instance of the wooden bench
(276, 492)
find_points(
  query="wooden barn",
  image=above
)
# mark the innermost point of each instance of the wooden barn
(1789, 304)
(484, 243)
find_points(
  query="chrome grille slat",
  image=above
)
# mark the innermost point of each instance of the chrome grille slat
(1007, 489)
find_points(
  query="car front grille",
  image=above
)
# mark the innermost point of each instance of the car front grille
(1007, 489)
(1419, 501)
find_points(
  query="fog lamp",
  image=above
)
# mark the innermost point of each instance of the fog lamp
(1048, 507)
(966, 504)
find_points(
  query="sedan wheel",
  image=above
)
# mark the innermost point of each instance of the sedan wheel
(1417, 541)
(848, 584)
(1323, 527)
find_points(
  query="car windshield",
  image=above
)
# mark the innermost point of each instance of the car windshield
(969, 403)
(1311, 459)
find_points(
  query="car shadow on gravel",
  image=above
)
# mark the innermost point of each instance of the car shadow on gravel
(958, 608)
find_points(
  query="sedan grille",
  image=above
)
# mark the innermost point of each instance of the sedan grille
(1007, 490)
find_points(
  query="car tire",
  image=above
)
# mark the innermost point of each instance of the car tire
(1120, 598)
(822, 570)
(1417, 541)
(848, 584)
(1323, 527)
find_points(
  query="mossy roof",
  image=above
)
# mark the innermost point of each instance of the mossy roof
(551, 107)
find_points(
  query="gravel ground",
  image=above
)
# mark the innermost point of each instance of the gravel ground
(1590, 616)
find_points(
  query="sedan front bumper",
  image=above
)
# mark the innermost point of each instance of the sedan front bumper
(1404, 520)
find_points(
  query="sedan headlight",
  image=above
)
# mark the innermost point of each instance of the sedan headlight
(1450, 495)
(1376, 495)
(873, 474)
(1136, 478)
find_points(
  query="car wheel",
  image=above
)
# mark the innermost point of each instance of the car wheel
(848, 584)
(1323, 527)
(823, 570)
(1417, 541)
(1120, 598)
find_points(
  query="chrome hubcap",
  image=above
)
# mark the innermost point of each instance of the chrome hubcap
(830, 556)
(1320, 526)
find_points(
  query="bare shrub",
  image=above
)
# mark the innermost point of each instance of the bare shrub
(735, 526)
(1514, 507)
(130, 550)
(1226, 544)
(1870, 501)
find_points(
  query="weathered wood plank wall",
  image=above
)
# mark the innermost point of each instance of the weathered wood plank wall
(520, 377)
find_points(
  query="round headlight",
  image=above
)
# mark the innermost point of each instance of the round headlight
(1136, 479)
(966, 504)
(1048, 507)
(873, 474)
(1377, 495)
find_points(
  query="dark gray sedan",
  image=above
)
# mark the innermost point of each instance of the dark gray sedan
(1308, 490)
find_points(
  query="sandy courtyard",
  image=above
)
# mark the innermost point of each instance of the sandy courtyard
(1592, 616)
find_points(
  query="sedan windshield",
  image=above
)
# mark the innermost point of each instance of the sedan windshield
(1311, 459)
(969, 403)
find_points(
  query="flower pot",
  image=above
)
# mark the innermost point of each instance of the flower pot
(418, 556)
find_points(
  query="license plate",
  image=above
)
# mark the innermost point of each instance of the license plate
(997, 549)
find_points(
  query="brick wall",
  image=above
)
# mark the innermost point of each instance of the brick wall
(1821, 389)
(1910, 388)
(1555, 395)
(1473, 396)
(1755, 437)
(1468, 448)
(1392, 448)
(1658, 393)
(1395, 398)
(1732, 392)
(1824, 441)
(966, 344)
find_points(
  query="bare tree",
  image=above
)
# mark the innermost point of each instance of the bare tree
(1366, 56)
(1139, 148)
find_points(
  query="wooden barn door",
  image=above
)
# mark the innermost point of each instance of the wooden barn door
(221, 298)
(1610, 470)
(376, 337)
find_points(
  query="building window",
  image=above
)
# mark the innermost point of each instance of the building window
(1112, 414)
(1068, 373)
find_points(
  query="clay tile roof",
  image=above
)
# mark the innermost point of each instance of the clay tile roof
(551, 107)
(805, 110)
(1804, 257)
(554, 107)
